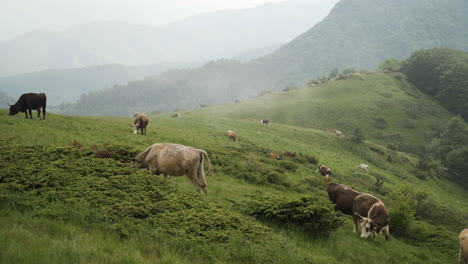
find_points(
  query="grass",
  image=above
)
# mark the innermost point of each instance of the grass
(54, 235)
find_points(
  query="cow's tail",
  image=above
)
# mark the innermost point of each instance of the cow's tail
(205, 155)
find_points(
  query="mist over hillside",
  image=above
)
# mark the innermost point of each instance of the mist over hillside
(67, 85)
(204, 37)
(356, 34)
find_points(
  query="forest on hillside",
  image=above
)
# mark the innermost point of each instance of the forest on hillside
(443, 74)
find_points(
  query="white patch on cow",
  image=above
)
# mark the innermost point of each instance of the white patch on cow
(135, 130)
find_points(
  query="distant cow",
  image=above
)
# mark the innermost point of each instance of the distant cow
(176, 115)
(463, 238)
(372, 214)
(324, 171)
(28, 102)
(363, 167)
(140, 123)
(342, 196)
(274, 156)
(232, 135)
(176, 160)
(265, 122)
(337, 133)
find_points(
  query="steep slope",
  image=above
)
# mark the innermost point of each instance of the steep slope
(362, 33)
(356, 34)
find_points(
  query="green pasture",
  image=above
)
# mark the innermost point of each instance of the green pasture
(69, 192)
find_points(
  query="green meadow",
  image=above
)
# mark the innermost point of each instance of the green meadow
(70, 192)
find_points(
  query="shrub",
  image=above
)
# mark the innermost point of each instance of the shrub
(313, 213)
(392, 147)
(380, 123)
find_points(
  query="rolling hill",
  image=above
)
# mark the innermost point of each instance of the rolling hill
(356, 34)
(73, 177)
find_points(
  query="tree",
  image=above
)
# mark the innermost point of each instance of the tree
(390, 65)
(358, 136)
(333, 73)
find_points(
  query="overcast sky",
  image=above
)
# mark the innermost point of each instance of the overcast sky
(20, 16)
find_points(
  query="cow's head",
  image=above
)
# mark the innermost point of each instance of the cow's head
(13, 110)
(368, 227)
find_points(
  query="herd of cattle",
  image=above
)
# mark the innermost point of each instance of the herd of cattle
(368, 211)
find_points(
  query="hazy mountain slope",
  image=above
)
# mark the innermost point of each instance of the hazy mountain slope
(256, 53)
(43, 49)
(199, 38)
(357, 33)
(362, 33)
(66, 85)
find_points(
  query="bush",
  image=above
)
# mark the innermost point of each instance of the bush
(313, 213)
(380, 123)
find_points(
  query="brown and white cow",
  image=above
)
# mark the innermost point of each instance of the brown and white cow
(342, 196)
(274, 156)
(176, 160)
(324, 171)
(140, 123)
(232, 135)
(372, 215)
(337, 133)
(265, 122)
(463, 238)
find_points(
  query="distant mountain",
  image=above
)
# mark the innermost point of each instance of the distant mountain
(356, 33)
(200, 38)
(256, 53)
(5, 100)
(65, 86)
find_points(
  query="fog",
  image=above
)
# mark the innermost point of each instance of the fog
(20, 16)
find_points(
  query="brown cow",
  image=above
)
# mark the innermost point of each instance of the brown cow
(140, 123)
(176, 160)
(176, 115)
(371, 212)
(342, 196)
(324, 171)
(232, 135)
(274, 156)
(463, 238)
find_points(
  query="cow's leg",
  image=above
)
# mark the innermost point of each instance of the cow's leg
(39, 113)
(386, 231)
(30, 113)
(355, 223)
(192, 175)
(43, 113)
(201, 177)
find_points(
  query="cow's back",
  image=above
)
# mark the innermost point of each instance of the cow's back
(172, 159)
(35, 100)
(363, 202)
(342, 196)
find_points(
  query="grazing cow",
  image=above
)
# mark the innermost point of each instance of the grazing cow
(371, 212)
(265, 122)
(274, 156)
(176, 160)
(363, 167)
(176, 115)
(140, 123)
(232, 135)
(337, 133)
(463, 238)
(342, 196)
(324, 171)
(28, 102)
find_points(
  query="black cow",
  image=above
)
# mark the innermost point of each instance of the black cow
(28, 102)
(343, 197)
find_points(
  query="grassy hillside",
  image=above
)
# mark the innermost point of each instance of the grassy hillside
(387, 109)
(63, 202)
